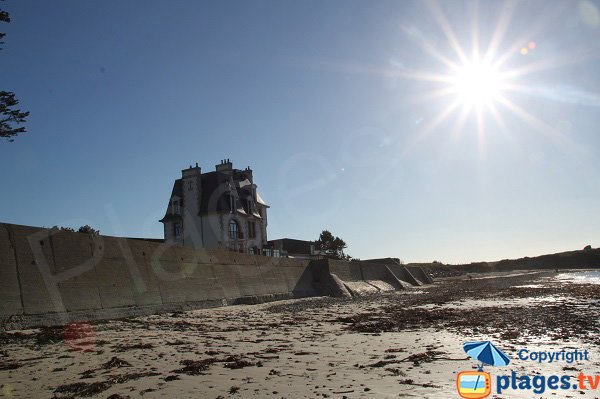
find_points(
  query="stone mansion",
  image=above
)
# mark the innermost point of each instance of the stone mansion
(219, 209)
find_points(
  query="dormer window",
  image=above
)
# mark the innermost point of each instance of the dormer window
(176, 209)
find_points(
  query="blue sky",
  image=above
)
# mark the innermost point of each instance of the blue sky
(332, 105)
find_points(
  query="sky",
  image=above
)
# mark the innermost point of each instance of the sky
(450, 131)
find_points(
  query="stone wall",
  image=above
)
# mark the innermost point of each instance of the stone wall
(73, 275)
(48, 276)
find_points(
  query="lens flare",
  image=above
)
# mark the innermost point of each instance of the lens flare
(477, 83)
(481, 82)
(79, 336)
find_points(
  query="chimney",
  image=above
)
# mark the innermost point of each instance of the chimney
(225, 165)
(191, 171)
(249, 174)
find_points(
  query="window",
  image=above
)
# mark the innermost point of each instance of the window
(177, 229)
(190, 186)
(233, 230)
(176, 207)
(251, 230)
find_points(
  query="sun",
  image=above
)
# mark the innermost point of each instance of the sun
(476, 84)
(475, 87)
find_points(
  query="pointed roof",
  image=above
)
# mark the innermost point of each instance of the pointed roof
(260, 200)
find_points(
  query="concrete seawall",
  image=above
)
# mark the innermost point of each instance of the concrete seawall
(48, 276)
(363, 278)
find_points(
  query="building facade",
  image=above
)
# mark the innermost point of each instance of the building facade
(292, 248)
(219, 209)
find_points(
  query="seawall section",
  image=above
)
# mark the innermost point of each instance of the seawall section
(52, 276)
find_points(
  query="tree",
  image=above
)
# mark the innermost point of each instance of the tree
(4, 17)
(9, 116)
(89, 230)
(332, 247)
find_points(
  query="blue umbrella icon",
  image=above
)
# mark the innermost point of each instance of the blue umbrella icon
(486, 353)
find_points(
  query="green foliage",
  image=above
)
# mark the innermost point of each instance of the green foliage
(9, 115)
(83, 229)
(332, 247)
(89, 230)
(4, 17)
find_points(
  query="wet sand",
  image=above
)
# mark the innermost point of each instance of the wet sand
(403, 344)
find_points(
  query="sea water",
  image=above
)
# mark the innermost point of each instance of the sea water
(583, 277)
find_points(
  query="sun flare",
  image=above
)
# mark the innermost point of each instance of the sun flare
(477, 84)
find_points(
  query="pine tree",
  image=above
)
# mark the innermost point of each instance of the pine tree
(9, 115)
(332, 247)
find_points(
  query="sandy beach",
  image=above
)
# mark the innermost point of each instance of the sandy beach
(401, 344)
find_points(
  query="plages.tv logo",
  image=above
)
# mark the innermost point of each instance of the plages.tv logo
(478, 384)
